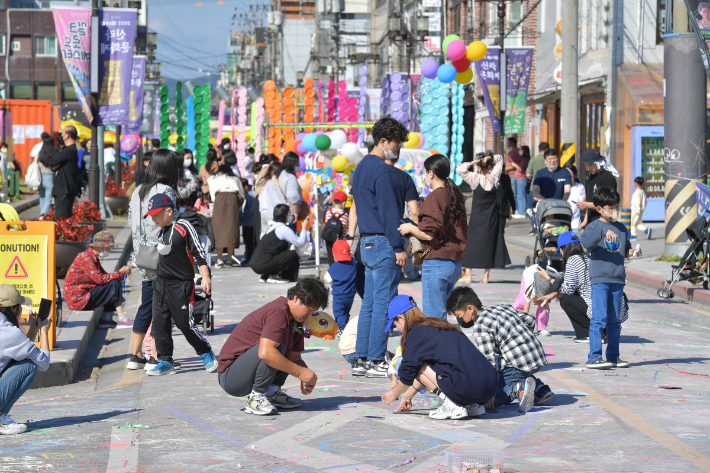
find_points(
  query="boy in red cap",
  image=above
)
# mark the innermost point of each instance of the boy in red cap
(336, 222)
(343, 272)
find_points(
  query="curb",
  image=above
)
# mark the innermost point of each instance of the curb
(26, 204)
(75, 334)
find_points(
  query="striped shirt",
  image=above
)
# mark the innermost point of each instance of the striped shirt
(343, 216)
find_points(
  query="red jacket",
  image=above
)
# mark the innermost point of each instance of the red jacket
(84, 274)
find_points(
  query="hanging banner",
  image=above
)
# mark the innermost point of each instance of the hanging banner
(700, 14)
(117, 32)
(488, 70)
(150, 98)
(74, 37)
(135, 100)
(517, 78)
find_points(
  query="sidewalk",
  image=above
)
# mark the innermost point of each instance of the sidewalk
(644, 272)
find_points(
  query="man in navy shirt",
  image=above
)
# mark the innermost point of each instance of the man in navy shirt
(382, 248)
(552, 182)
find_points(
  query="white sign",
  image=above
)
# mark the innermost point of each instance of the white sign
(434, 22)
(431, 3)
(18, 134)
(432, 44)
(34, 132)
(558, 73)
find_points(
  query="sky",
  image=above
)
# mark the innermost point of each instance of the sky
(192, 37)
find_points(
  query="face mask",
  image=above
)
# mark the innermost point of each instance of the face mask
(613, 216)
(162, 248)
(427, 184)
(104, 254)
(389, 155)
(464, 324)
(187, 163)
(553, 168)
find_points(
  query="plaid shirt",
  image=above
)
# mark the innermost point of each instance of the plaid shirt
(500, 330)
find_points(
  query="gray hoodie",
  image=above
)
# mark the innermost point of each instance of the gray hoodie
(14, 345)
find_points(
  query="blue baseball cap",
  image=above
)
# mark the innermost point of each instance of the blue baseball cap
(398, 306)
(157, 203)
(565, 239)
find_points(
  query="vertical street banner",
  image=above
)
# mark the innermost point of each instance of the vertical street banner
(135, 99)
(702, 198)
(150, 98)
(117, 32)
(700, 14)
(488, 70)
(517, 78)
(74, 38)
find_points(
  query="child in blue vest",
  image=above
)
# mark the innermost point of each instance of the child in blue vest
(343, 272)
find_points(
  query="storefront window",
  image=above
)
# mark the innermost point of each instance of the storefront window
(21, 90)
(645, 116)
(652, 166)
(593, 126)
(660, 20)
(46, 91)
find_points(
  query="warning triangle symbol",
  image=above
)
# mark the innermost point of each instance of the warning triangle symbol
(16, 269)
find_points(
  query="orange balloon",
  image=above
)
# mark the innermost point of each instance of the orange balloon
(308, 83)
(288, 92)
(269, 85)
(308, 118)
(288, 110)
(275, 117)
(305, 192)
(269, 95)
(289, 136)
(309, 109)
(288, 101)
(309, 101)
(310, 93)
(288, 118)
(268, 104)
(433, 151)
(277, 96)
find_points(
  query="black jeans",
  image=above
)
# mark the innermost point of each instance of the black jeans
(63, 205)
(249, 242)
(576, 309)
(109, 296)
(250, 373)
(144, 315)
(286, 264)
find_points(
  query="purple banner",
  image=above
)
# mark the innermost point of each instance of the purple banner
(488, 70)
(117, 32)
(517, 78)
(135, 109)
(74, 37)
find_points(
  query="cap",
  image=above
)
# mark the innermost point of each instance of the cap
(591, 156)
(9, 296)
(341, 251)
(157, 203)
(104, 239)
(398, 306)
(565, 239)
(340, 196)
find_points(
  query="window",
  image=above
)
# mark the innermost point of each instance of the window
(45, 46)
(515, 12)
(46, 91)
(68, 92)
(15, 45)
(660, 20)
(2, 44)
(21, 90)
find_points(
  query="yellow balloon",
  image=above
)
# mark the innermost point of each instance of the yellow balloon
(340, 163)
(476, 51)
(412, 140)
(464, 77)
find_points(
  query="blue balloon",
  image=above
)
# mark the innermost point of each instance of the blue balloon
(309, 142)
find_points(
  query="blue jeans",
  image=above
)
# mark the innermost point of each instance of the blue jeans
(341, 309)
(14, 382)
(144, 315)
(350, 358)
(521, 186)
(439, 276)
(606, 306)
(410, 272)
(508, 379)
(381, 278)
(45, 193)
(531, 205)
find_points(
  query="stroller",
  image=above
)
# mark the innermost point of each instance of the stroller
(693, 266)
(548, 231)
(202, 313)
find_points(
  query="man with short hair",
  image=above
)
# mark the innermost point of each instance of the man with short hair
(382, 248)
(155, 144)
(515, 167)
(266, 347)
(67, 180)
(535, 164)
(552, 182)
(598, 176)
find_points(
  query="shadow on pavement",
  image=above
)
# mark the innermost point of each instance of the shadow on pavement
(75, 420)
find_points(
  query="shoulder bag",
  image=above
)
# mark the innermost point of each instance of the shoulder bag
(147, 256)
(302, 208)
(418, 256)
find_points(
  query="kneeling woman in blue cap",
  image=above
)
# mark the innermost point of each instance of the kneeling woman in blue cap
(438, 355)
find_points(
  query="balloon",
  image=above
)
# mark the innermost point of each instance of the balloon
(476, 51)
(350, 151)
(301, 164)
(309, 142)
(338, 138)
(421, 141)
(412, 140)
(462, 64)
(340, 163)
(322, 142)
(446, 73)
(300, 149)
(456, 50)
(448, 39)
(464, 77)
(291, 146)
(130, 143)
(300, 136)
(429, 67)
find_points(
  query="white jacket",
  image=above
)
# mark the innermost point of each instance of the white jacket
(221, 182)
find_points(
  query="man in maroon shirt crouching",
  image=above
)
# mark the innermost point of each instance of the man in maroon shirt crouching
(266, 347)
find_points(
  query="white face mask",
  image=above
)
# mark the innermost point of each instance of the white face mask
(389, 155)
(104, 254)
(162, 248)
(612, 216)
(187, 163)
(427, 184)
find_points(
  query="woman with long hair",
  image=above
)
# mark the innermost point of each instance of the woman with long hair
(577, 193)
(161, 176)
(489, 250)
(209, 168)
(266, 212)
(227, 194)
(438, 355)
(444, 232)
(188, 183)
(286, 189)
(45, 188)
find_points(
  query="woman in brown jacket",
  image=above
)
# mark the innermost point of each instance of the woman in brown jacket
(443, 232)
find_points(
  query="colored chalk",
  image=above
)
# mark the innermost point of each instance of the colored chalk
(669, 387)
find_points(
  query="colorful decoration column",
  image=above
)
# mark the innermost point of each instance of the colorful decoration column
(180, 125)
(362, 106)
(457, 130)
(164, 117)
(330, 102)
(256, 129)
(241, 151)
(309, 109)
(434, 114)
(202, 123)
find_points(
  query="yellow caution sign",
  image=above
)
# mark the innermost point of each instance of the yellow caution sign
(27, 262)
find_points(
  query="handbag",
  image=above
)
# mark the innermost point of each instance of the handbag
(303, 209)
(147, 257)
(542, 286)
(418, 256)
(33, 178)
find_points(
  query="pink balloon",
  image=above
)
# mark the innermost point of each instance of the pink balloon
(456, 50)
(421, 140)
(241, 153)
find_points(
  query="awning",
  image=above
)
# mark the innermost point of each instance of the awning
(644, 82)
(588, 87)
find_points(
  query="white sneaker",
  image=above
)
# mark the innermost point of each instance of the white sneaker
(449, 410)
(475, 410)
(258, 404)
(544, 333)
(219, 264)
(10, 427)
(526, 395)
(277, 280)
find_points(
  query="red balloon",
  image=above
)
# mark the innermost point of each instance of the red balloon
(461, 64)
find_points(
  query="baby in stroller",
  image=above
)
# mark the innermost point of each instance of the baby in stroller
(553, 217)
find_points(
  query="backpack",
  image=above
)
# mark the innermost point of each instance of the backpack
(33, 178)
(333, 228)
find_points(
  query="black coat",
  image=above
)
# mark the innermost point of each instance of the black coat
(67, 180)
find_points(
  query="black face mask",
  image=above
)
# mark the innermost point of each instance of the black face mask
(463, 323)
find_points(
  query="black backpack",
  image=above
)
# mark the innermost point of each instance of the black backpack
(333, 228)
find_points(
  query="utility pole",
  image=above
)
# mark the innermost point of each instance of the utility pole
(499, 144)
(316, 46)
(94, 172)
(570, 85)
(118, 165)
(335, 14)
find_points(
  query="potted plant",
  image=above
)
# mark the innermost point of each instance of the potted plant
(84, 213)
(116, 198)
(71, 239)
